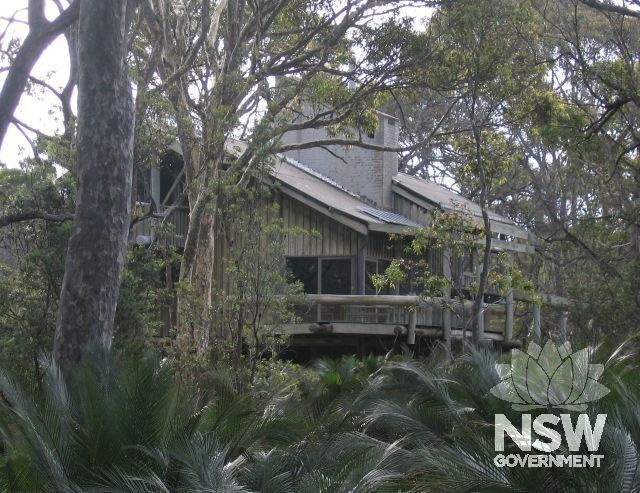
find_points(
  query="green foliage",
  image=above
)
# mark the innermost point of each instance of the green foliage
(253, 299)
(455, 233)
(348, 425)
(143, 294)
(31, 263)
(32, 258)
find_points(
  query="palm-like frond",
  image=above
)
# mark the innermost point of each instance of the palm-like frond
(204, 466)
(350, 426)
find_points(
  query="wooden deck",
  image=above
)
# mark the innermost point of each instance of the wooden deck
(375, 315)
(408, 316)
(411, 316)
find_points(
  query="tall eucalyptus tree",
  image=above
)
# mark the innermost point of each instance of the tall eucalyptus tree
(98, 239)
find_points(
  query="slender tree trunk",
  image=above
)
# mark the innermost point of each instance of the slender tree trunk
(196, 270)
(478, 302)
(634, 236)
(194, 300)
(17, 78)
(97, 245)
(71, 35)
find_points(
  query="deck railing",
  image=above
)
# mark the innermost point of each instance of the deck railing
(387, 314)
(414, 315)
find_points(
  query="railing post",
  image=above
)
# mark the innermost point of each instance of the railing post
(563, 325)
(481, 322)
(361, 258)
(446, 327)
(537, 335)
(411, 332)
(508, 333)
(429, 314)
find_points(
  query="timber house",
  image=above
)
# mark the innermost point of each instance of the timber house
(355, 198)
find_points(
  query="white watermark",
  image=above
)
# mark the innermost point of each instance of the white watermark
(550, 378)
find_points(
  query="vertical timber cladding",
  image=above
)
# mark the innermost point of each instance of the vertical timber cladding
(324, 236)
(380, 246)
(222, 248)
(411, 210)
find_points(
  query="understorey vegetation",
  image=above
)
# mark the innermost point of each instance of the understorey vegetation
(370, 425)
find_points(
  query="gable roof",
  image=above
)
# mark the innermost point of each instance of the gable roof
(331, 198)
(427, 193)
(335, 200)
(315, 189)
(326, 195)
(443, 197)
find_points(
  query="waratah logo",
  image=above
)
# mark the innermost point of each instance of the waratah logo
(550, 377)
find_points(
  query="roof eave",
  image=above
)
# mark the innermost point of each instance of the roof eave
(503, 227)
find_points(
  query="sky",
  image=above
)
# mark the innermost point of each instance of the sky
(41, 110)
(38, 110)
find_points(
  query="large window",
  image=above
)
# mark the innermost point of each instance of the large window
(430, 263)
(336, 276)
(331, 275)
(304, 270)
(373, 266)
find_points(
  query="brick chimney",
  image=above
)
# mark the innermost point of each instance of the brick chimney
(363, 171)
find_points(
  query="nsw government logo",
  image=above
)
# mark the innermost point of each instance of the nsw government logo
(558, 381)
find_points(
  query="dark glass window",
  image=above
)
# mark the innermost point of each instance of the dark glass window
(406, 287)
(435, 259)
(410, 284)
(375, 267)
(336, 276)
(383, 265)
(371, 267)
(468, 261)
(304, 270)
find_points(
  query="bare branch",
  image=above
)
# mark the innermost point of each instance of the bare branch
(41, 34)
(611, 8)
(8, 219)
(32, 144)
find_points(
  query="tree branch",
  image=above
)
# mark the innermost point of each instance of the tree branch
(8, 219)
(41, 34)
(610, 7)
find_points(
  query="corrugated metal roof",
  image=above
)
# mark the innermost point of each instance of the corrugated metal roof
(334, 196)
(313, 186)
(443, 197)
(390, 217)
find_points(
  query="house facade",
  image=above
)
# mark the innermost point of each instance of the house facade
(355, 198)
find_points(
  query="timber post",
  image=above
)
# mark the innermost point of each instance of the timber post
(563, 325)
(411, 332)
(508, 333)
(361, 271)
(537, 335)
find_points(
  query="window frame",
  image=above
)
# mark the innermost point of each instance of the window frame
(320, 259)
(366, 274)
